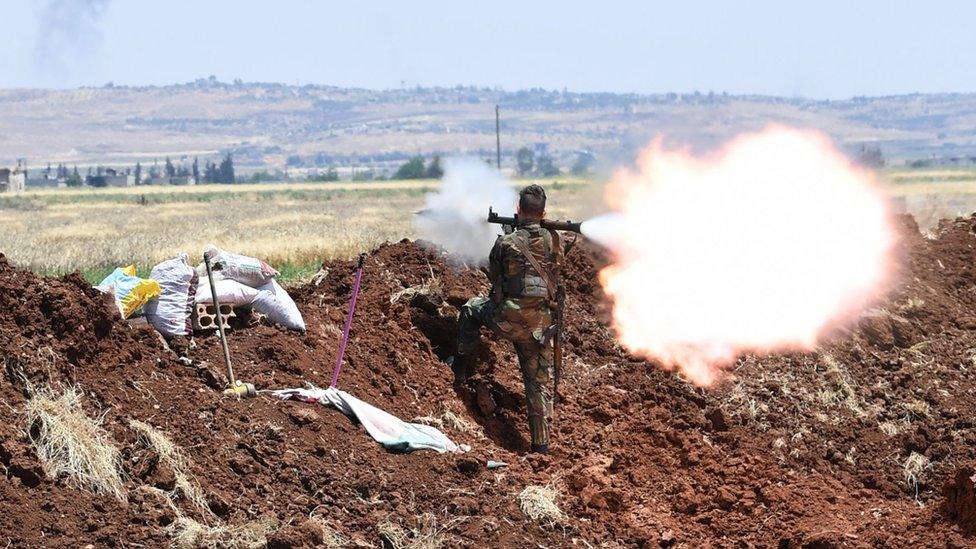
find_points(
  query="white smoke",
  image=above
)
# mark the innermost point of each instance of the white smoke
(68, 33)
(455, 216)
(605, 229)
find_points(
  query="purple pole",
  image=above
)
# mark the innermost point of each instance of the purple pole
(348, 326)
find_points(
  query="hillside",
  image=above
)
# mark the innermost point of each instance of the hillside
(278, 126)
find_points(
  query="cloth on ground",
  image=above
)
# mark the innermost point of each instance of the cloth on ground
(387, 429)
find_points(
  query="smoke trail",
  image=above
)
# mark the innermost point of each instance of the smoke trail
(454, 217)
(605, 229)
(68, 33)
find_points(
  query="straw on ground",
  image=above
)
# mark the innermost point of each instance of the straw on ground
(539, 503)
(71, 444)
(172, 455)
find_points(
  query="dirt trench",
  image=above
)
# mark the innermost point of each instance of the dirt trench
(854, 445)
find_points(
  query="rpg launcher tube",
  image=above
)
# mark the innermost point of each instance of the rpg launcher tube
(545, 223)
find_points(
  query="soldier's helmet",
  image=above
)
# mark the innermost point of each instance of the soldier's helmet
(532, 200)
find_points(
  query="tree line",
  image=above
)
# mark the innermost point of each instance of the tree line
(213, 172)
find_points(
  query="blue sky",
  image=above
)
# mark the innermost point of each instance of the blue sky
(824, 49)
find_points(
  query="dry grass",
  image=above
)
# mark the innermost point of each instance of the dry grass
(331, 538)
(916, 409)
(431, 287)
(187, 533)
(540, 503)
(429, 533)
(889, 428)
(71, 444)
(838, 388)
(298, 224)
(915, 465)
(172, 455)
(449, 419)
(932, 194)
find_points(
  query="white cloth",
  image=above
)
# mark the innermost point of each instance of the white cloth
(387, 429)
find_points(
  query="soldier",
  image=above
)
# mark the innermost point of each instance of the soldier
(523, 271)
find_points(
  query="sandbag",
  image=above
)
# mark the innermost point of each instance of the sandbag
(274, 301)
(229, 292)
(170, 313)
(130, 291)
(246, 270)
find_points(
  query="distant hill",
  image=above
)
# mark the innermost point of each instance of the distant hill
(274, 126)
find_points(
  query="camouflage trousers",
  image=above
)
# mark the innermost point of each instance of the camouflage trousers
(535, 359)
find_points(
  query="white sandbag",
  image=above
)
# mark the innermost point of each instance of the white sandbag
(247, 270)
(279, 307)
(170, 312)
(229, 292)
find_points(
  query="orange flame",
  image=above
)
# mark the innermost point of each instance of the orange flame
(756, 248)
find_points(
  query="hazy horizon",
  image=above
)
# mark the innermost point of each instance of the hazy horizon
(832, 50)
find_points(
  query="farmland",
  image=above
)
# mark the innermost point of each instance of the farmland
(293, 225)
(297, 225)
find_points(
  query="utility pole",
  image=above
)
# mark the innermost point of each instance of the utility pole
(498, 141)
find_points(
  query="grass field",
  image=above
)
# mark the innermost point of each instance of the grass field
(932, 194)
(295, 226)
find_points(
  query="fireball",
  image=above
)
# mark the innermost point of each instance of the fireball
(758, 247)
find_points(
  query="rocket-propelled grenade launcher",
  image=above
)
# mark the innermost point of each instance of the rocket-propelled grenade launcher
(509, 223)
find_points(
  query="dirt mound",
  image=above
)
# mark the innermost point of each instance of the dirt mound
(846, 446)
(960, 498)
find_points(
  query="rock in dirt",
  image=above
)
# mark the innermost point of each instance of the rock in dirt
(303, 415)
(468, 466)
(717, 418)
(484, 398)
(876, 327)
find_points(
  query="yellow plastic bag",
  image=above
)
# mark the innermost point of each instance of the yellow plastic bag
(130, 291)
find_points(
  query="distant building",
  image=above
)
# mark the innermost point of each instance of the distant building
(182, 180)
(44, 183)
(175, 180)
(109, 178)
(13, 181)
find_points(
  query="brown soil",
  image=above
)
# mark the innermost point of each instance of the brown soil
(796, 450)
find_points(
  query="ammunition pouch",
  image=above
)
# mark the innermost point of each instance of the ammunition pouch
(527, 286)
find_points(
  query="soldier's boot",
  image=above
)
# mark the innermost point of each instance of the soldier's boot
(540, 449)
(460, 366)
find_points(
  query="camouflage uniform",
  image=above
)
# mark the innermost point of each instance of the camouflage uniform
(519, 310)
